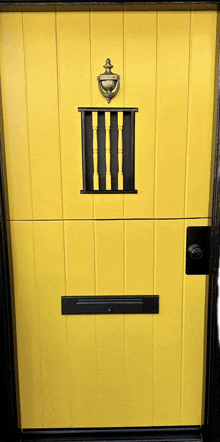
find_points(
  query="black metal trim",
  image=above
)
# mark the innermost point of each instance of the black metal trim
(199, 237)
(212, 392)
(88, 154)
(142, 434)
(169, 437)
(83, 149)
(110, 305)
(108, 191)
(108, 109)
(33, 3)
(133, 149)
(113, 430)
(9, 414)
(54, 6)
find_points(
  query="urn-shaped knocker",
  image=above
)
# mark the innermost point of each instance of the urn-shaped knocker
(108, 82)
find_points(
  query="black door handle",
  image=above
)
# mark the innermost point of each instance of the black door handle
(195, 251)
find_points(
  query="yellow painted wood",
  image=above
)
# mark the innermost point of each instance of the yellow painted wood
(195, 299)
(42, 108)
(50, 286)
(200, 115)
(46, 117)
(120, 151)
(79, 252)
(168, 274)
(110, 331)
(110, 387)
(95, 151)
(81, 362)
(74, 79)
(13, 91)
(172, 67)
(109, 256)
(81, 330)
(140, 32)
(108, 150)
(27, 324)
(139, 257)
(139, 329)
(171, 123)
(131, 368)
(107, 44)
(116, 370)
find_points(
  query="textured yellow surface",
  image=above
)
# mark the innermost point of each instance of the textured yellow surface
(140, 63)
(13, 90)
(200, 114)
(43, 114)
(49, 67)
(121, 370)
(195, 298)
(110, 370)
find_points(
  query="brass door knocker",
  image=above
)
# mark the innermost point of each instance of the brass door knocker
(108, 82)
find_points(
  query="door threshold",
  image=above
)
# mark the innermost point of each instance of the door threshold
(157, 434)
(155, 438)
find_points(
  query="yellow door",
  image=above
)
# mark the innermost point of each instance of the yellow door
(124, 370)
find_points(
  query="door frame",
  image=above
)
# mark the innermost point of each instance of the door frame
(9, 411)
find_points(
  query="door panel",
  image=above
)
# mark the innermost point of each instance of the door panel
(107, 370)
(169, 79)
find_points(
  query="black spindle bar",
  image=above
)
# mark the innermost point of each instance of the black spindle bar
(132, 150)
(83, 148)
